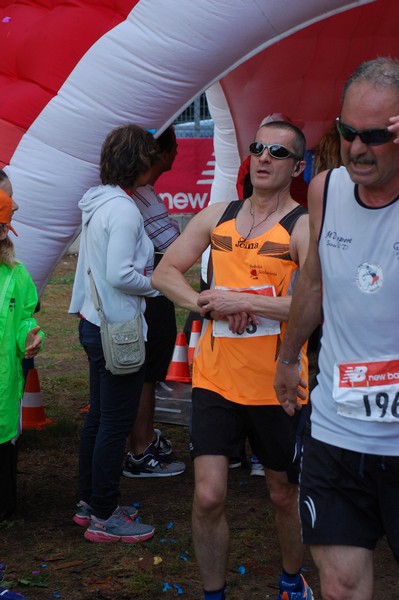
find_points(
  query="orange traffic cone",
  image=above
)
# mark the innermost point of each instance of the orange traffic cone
(179, 369)
(194, 338)
(33, 415)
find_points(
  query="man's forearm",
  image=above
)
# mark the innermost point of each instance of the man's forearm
(304, 317)
(172, 284)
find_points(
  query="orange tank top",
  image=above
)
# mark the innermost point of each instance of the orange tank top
(241, 368)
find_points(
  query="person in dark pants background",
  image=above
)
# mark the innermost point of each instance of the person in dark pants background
(120, 256)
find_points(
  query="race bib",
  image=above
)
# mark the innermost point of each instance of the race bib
(368, 390)
(265, 326)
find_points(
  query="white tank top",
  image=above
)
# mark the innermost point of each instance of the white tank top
(356, 402)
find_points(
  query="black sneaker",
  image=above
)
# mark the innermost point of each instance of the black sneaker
(151, 465)
(163, 446)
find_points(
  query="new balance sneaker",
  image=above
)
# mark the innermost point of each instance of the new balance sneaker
(8, 595)
(304, 594)
(256, 467)
(151, 465)
(163, 446)
(119, 527)
(84, 513)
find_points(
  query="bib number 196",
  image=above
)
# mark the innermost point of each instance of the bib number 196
(381, 402)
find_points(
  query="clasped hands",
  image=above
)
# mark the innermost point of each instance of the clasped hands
(228, 306)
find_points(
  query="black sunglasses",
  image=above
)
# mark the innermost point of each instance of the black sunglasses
(275, 150)
(370, 137)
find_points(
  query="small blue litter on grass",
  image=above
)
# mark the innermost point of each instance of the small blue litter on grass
(241, 570)
(166, 587)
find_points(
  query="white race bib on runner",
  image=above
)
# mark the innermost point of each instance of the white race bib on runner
(265, 326)
(368, 390)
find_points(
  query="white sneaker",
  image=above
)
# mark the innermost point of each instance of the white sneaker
(256, 467)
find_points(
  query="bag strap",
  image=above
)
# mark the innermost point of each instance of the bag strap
(5, 286)
(4, 289)
(93, 288)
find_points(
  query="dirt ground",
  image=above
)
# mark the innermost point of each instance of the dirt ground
(45, 552)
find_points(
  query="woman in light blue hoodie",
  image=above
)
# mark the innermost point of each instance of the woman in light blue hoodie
(120, 255)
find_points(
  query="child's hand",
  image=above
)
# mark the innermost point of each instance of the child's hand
(33, 341)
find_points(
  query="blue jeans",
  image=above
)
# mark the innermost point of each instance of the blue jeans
(114, 400)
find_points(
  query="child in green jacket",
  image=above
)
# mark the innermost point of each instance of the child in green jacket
(20, 337)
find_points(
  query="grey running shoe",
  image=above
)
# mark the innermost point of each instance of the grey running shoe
(163, 446)
(150, 465)
(119, 527)
(84, 513)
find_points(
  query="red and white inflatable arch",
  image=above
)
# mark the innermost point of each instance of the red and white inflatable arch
(71, 72)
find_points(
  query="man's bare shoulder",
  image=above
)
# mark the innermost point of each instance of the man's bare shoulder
(316, 186)
(315, 201)
(217, 208)
(211, 214)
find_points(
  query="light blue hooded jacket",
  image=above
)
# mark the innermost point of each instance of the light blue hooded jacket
(119, 253)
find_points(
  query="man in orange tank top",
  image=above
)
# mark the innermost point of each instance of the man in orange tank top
(257, 247)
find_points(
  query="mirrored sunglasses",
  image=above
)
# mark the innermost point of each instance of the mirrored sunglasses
(275, 150)
(370, 137)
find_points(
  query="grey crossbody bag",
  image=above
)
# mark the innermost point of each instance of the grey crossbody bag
(123, 343)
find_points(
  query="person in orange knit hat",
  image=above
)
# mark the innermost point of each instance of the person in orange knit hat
(20, 337)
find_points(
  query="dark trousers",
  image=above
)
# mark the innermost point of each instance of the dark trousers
(114, 401)
(8, 479)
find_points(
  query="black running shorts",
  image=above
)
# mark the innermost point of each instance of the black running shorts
(161, 337)
(218, 427)
(348, 498)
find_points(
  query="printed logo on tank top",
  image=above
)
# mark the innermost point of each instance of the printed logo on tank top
(369, 277)
(242, 243)
(337, 241)
(256, 270)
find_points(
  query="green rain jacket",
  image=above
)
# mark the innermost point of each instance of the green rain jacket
(16, 310)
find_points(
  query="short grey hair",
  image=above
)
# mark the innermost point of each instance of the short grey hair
(382, 71)
(298, 141)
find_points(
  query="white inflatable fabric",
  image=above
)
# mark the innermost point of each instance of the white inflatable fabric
(61, 95)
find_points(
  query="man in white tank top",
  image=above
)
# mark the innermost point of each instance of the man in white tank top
(350, 470)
